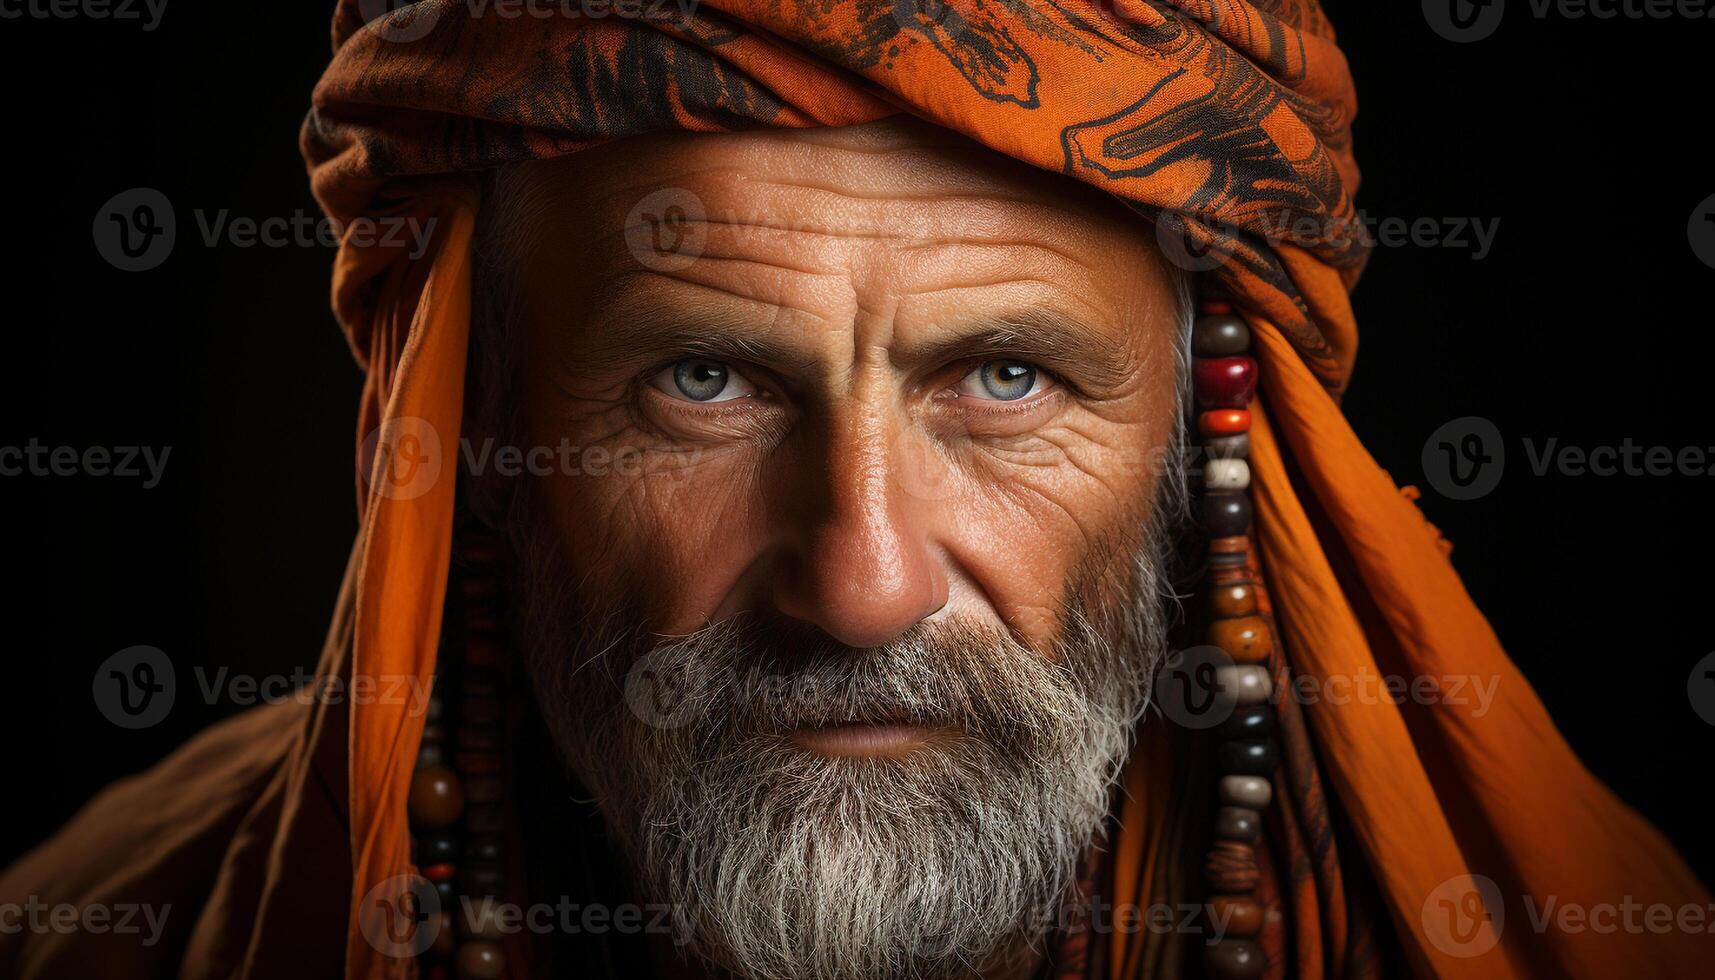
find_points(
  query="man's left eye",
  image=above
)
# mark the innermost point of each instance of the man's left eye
(1003, 380)
(698, 379)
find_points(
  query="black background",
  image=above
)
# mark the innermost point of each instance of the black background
(1587, 322)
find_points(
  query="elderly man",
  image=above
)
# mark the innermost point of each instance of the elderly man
(827, 381)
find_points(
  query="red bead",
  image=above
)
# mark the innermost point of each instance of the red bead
(1223, 382)
(1224, 422)
(439, 872)
(1211, 307)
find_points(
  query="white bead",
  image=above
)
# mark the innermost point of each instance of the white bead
(1226, 474)
(1244, 683)
(1248, 791)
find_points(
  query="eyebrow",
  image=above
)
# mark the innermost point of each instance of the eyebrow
(718, 331)
(1064, 344)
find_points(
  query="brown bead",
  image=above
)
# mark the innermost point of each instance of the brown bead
(1246, 639)
(1231, 867)
(1235, 915)
(1238, 823)
(1232, 550)
(480, 960)
(483, 620)
(1237, 599)
(435, 799)
(1229, 575)
(1235, 959)
(483, 789)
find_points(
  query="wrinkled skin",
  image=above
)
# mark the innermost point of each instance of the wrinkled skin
(854, 468)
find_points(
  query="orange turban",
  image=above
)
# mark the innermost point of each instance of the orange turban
(1232, 119)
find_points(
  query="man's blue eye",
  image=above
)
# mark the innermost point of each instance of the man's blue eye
(1007, 380)
(700, 380)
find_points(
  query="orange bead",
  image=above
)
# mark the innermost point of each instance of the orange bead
(1246, 639)
(1223, 422)
(1235, 599)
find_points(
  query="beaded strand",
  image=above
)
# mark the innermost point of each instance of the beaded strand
(1223, 381)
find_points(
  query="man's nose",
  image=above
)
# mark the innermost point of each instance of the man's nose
(860, 564)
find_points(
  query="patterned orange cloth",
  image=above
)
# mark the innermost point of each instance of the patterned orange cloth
(1228, 121)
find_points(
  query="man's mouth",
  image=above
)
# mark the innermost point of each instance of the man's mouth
(866, 740)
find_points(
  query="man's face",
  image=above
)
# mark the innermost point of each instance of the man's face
(866, 429)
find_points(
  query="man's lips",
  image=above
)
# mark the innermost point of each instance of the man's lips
(865, 740)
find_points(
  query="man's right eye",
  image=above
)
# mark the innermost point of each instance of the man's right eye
(698, 379)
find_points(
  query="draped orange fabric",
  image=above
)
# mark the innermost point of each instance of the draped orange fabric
(1228, 122)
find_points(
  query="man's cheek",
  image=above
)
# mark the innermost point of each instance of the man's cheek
(679, 535)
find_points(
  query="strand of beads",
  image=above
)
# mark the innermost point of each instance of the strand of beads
(479, 764)
(1223, 380)
(456, 809)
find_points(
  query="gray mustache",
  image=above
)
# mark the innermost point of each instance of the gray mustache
(943, 675)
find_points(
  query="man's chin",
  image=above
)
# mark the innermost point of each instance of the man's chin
(785, 860)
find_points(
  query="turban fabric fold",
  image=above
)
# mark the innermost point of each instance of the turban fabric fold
(1229, 119)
